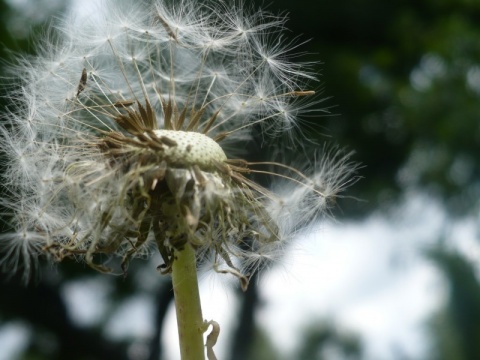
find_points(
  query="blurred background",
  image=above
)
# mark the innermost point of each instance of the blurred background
(393, 275)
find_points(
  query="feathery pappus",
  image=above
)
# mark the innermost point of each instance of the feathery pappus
(124, 136)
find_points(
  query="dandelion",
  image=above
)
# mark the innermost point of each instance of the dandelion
(126, 138)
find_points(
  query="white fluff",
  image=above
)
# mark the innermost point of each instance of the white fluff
(231, 63)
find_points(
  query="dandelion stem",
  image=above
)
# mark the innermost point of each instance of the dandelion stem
(187, 304)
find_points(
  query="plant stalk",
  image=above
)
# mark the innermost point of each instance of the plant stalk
(187, 304)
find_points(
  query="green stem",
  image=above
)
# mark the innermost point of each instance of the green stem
(187, 304)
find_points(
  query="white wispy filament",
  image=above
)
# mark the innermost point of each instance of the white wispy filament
(123, 133)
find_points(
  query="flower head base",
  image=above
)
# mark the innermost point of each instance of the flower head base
(177, 185)
(126, 133)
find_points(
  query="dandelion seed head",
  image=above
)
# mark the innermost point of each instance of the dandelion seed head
(126, 132)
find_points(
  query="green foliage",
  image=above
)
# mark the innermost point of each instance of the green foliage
(456, 327)
(323, 341)
(404, 76)
(263, 348)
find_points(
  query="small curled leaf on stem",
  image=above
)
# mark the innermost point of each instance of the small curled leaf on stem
(211, 338)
